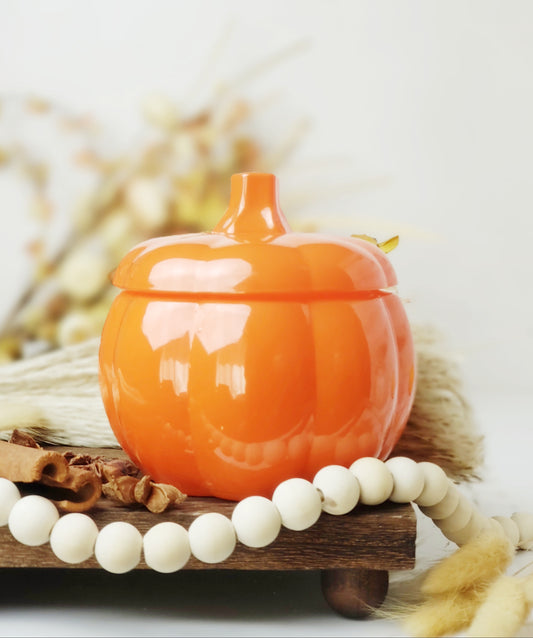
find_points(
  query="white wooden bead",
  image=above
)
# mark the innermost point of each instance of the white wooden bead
(31, 520)
(509, 527)
(212, 537)
(475, 526)
(435, 485)
(257, 521)
(375, 480)
(339, 488)
(446, 505)
(407, 477)
(9, 495)
(493, 526)
(459, 518)
(166, 547)
(118, 547)
(298, 503)
(73, 537)
(525, 527)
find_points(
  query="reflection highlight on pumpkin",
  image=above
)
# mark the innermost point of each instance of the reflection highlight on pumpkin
(178, 272)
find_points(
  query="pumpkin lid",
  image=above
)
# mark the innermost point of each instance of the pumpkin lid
(252, 252)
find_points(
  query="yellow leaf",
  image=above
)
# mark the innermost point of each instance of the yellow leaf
(389, 244)
(372, 240)
(386, 246)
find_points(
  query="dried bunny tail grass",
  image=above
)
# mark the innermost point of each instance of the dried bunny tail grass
(444, 599)
(528, 588)
(475, 564)
(444, 615)
(504, 610)
(441, 427)
(472, 567)
(404, 597)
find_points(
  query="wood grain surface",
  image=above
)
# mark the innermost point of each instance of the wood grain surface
(375, 538)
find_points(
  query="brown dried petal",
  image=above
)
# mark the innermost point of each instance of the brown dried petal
(143, 489)
(121, 489)
(78, 459)
(23, 438)
(163, 496)
(113, 468)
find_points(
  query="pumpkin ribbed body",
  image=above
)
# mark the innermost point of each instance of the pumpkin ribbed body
(225, 388)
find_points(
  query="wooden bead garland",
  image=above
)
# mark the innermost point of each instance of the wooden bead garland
(407, 478)
(212, 537)
(31, 520)
(524, 522)
(118, 547)
(256, 521)
(339, 489)
(374, 478)
(446, 506)
(166, 547)
(510, 528)
(436, 485)
(73, 538)
(298, 502)
(459, 518)
(9, 495)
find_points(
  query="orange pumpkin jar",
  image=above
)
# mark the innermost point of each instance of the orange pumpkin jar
(235, 359)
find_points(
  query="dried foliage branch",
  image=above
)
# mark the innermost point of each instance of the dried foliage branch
(175, 181)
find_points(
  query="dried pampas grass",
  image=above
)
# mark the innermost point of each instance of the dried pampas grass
(441, 426)
(56, 398)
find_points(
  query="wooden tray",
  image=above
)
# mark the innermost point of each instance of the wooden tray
(354, 552)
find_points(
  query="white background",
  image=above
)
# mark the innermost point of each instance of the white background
(429, 101)
(427, 104)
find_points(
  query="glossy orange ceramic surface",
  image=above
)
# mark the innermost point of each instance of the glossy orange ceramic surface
(235, 359)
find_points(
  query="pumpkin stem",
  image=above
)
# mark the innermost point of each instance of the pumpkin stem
(253, 207)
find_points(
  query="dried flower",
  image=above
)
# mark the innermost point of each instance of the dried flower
(160, 111)
(83, 274)
(41, 208)
(147, 197)
(74, 327)
(177, 181)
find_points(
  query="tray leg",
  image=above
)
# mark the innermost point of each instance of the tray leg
(354, 592)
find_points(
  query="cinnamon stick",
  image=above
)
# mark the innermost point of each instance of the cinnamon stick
(22, 464)
(74, 482)
(72, 489)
